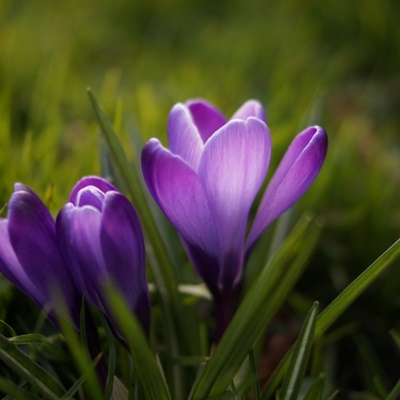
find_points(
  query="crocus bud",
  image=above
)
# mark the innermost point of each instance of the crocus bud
(102, 242)
(30, 257)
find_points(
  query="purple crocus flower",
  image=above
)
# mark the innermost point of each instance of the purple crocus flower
(208, 179)
(30, 257)
(102, 242)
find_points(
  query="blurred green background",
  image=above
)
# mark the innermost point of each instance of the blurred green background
(332, 63)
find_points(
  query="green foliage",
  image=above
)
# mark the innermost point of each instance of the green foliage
(331, 63)
(31, 371)
(294, 375)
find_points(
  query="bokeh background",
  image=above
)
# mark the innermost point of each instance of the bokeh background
(332, 63)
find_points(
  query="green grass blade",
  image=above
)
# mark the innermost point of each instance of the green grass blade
(348, 295)
(337, 307)
(333, 395)
(396, 337)
(14, 392)
(29, 369)
(130, 181)
(145, 364)
(4, 325)
(112, 359)
(395, 392)
(120, 392)
(316, 389)
(80, 354)
(257, 309)
(254, 376)
(298, 361)
(159, 256)
(69, 395)
(29, 338)
(40, 343)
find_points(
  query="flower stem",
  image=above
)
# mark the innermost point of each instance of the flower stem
(225, 307)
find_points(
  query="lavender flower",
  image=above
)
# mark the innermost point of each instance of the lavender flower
(102, 242)
(206, 183)
(30, 257)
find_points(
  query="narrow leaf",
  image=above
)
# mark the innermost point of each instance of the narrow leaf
(160, 256)
(337, 307)
(316, 389)
(254, 376)
(348, 295)
(29, 369)
(257, 309)
(3, 324)
(395, 392)
(299, 358)
(79, 352)
(396, 337)
(333, 395)
(146, 367)
(112, 360)
(14, 392)
(120, 392)
(69, 395)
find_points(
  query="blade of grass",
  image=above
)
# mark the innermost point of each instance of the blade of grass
(14, 392)
(337, 307)
(298, 361)
(120, 392)
(112, 359)
(164, 271)
(29, 369)
(333, 395)
(257, 309)
(9, 328)
(395, 392)
(131, 183)
(38, 342)
(69, 395)
(254, 376)
(78, 349)
(348, 295)
(396, 337)
(316, 389)
(146, 368)
(29, 338)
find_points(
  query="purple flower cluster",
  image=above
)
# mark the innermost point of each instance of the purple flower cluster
(96, 239)
(205, 184)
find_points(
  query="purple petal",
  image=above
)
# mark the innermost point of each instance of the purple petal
(252, 108)
(179, 193)
(78, 232)
(183, 136)
(207, 266)
(11, 268)
(233, 167)
(96, 181)
(206, 117)
(90, 196)
(32, 236)
(20, 187)
(124, 254)
(296, 172)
